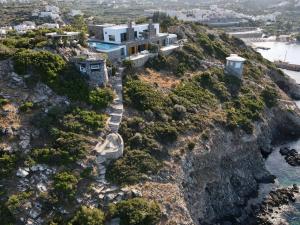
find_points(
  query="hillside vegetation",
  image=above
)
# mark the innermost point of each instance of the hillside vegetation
(205, 97)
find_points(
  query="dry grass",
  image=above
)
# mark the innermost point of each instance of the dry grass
(11, 119)
(162, 80)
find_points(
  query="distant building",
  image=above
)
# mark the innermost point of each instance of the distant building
(24, 27)
(75, 12)
(63, 37)
(93, 68)
(235, 65)
(4, 30)
(256, 33)
(50, 11)
(51, 15)
(49, 25)
(52, 8)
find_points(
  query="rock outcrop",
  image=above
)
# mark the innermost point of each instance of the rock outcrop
(264, 213)
(291, 156)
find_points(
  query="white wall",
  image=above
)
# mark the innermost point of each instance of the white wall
(112, 31)
(139, 28)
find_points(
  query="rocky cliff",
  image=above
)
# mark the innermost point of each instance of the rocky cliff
(223, 173)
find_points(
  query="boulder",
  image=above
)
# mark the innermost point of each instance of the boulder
(22, 173)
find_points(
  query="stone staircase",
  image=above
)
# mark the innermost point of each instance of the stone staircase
(116, 109)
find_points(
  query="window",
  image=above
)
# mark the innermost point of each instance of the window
(111, 38)
(135, 34)
(123, 37)
(122, 52)
(95, 67)
(237, 65)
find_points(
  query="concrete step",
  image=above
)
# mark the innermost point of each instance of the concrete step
(115, 119)
(115, 114)
(113, 127)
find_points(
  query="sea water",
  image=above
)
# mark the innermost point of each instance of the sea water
(286, 175)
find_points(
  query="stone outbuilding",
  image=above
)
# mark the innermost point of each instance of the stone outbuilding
(235, 65)
(93, 68)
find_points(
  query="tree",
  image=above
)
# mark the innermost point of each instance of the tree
(136, 211)
(79, 23)
(83, 39)
(88, 216)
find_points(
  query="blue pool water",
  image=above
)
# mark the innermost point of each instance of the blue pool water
(103, 46)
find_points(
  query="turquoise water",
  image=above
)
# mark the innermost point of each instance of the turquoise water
(276, 164)
(100, 46)
(286, 175)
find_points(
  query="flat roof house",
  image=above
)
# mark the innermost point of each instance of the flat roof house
(120, 41)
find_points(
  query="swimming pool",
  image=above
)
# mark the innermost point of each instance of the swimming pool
(101, 46)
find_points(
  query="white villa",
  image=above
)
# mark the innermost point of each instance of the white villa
(126, 40)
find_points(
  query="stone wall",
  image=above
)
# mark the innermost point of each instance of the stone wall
(139, 62)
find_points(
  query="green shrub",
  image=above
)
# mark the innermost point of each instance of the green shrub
(142, 96)
(101, 97)
(194, 50)
(5, 52)
(49, 120)
(66, 148)
(132, 168)
(8, 163)
(65, 185)
(128, 65)
(88, 216)
(213, 82)
(191, 145)
(165, 133)
(3, 101)
(16, 201)
(212, 47)
(270, 96)
(194, 94)
(46, 64)
(87, 173)
(243, 110)
(158, 63)
(72, 84)
(81, 121)
(6, 216)
(26, 107)
(136, 211)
